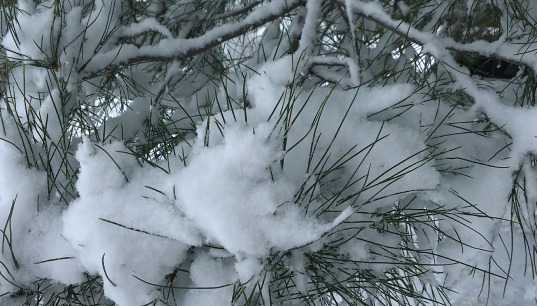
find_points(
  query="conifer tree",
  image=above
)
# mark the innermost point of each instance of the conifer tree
(256, 152)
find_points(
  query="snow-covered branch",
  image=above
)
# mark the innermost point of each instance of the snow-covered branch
(168, 50)
(509, 51)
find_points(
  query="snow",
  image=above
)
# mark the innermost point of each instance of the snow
(148, 24)
(207, 272)
(234, 200)
(30, 225)
(280, 172)
(97, 224)
(309, 34)
(127, 124)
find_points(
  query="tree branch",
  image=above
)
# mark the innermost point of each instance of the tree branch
(500, 50)
(169, 50)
